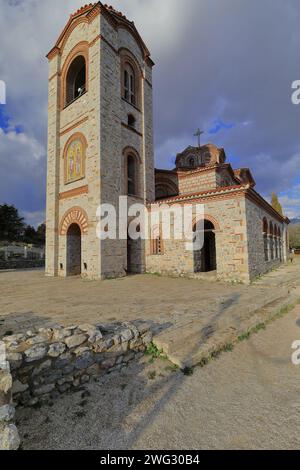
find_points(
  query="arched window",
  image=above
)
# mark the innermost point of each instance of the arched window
(129, 86)
(280, 244)
(74, 158)
(131, 171)
(271, 240)
(265, 235)
(276, 241)
(75, 80)
(191, 162)
(131, 175)
(131, 75)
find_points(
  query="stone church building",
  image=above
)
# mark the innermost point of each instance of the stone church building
(100, 147)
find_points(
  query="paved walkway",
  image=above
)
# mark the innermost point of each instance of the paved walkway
(189, 316)
(247, 399)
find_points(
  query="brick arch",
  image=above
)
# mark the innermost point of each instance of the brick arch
(81, 49)
(208, 217)
(76, 215)
(170, 187)
(131, 150)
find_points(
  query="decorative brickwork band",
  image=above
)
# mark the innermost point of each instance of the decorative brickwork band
(76, 215)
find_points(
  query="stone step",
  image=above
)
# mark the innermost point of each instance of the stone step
(188, 344)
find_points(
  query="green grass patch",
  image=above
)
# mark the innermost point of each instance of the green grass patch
(155, 353)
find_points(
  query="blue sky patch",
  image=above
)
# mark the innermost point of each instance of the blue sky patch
(220, 125)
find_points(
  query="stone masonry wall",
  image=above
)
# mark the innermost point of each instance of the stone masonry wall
(231, 244)
(52, 361)
(101, 115)
(255, 240)
(197, 181)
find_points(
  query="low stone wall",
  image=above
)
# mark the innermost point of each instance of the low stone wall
(51, 361)
(21, 264)
(43, 364)
(9, 437)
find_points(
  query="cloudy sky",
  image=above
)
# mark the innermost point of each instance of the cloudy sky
(223, 65)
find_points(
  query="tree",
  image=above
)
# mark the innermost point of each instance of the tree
(294, 234)
(41, 234)
(30, 235)
(11, 224)
(276, 204)
(35, 237)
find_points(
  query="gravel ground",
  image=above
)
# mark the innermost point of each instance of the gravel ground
(246, 399)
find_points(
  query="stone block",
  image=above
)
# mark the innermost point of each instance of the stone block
(126, 335)
(5, 381)
(41, 367)
(38, 339)
(61, 334)
(76, 340)
(9, 437)
(81, 350)
(35, 353)
(95, 336)
(19, 387)
(44, 389)
(7, 413)
(85, 361)
(56, 349)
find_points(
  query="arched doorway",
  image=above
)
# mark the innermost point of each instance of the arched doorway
(205, 260)
(74, 250)
(134, 253)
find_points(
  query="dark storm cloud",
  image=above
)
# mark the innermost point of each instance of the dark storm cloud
(223, 65)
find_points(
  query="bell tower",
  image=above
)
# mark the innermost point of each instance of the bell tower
(100, 140)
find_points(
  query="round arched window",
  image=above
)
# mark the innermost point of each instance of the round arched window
(76, 79)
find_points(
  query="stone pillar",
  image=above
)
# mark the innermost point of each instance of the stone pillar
(9, 437)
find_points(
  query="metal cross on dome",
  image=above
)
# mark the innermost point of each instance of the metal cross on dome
(198, 134)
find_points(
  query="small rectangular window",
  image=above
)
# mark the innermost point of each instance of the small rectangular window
(156, 246)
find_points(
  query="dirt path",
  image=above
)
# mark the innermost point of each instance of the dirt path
(247, 399)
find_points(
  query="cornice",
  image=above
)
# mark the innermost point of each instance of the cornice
(87, 14)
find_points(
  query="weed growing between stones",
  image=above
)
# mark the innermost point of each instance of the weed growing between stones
(155, 353)
(262, 326)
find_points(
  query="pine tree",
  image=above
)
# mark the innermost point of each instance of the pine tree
(11, 224)
(276, 204)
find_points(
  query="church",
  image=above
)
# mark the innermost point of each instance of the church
(100, 147)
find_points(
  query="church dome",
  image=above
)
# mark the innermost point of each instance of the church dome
(194, 157)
